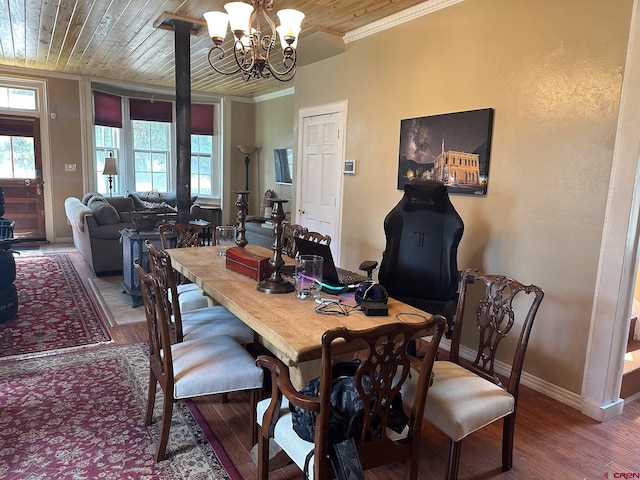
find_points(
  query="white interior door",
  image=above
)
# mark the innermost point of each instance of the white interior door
(319, 183)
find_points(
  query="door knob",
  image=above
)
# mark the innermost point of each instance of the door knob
(27, 182)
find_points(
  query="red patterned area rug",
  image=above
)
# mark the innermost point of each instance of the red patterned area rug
(55, 311)
(80, 415)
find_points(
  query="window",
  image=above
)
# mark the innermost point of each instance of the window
(140, 133)
(201, 165)
(107, 141)
(151, 153)
(18, 98)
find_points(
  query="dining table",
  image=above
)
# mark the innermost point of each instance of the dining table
(290, 328)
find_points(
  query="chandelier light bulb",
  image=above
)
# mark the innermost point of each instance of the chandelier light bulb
(287, 40)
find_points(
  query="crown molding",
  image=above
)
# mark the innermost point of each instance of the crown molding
(398, 19)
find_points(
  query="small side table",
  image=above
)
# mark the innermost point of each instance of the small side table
(133, 247)
(211, 214)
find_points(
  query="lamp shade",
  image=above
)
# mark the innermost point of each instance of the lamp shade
(239, 14)
(290, 21)
(110, 166)
(246, 150)
(217, 25)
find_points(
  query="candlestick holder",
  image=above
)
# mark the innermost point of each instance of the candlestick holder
(243, 207)
(275, 283)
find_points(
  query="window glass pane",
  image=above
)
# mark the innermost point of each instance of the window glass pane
(17, 157)
(143, 162)
(141, 134)
(159, 162)
(17, 98)
(6, 166)
(143, 182)
(206, 143)
(160, 182)
(159, 137)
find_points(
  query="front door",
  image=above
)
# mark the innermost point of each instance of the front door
(21, 176)
(320, 177)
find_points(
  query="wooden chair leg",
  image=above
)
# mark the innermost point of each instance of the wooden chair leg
(151, 399)
(454, 460)
(165, 426)
(253, 417)
(263, 457)
(508, 428)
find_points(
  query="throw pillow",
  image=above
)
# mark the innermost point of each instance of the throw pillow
(104, 213)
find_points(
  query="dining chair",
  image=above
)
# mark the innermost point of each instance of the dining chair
(467, 393)
(289, 231)
(207, 321)
(193, 368)
(305, 234)
(182, 235)
(385, 365)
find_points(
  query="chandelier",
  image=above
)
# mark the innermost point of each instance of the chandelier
(253, 48)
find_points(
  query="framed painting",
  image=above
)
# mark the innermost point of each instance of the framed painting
(452, 148)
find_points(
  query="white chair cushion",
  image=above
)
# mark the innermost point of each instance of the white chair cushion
(186, 287)
(285, 436)
(460, 402)
(215, 320)
(190, 298)
(210, 365)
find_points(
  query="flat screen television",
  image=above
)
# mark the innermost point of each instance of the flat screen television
(283, 159)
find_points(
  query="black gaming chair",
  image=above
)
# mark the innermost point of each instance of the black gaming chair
(419, 264)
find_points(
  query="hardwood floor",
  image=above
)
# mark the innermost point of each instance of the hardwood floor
(552, 440)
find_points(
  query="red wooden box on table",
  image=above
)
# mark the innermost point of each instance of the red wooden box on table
(247, 263)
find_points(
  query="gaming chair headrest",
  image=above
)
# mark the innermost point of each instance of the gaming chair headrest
(371, 291)
(426, 195)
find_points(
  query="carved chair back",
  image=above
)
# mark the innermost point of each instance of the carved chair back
(504, 305)
(163, 273)
(186, 235)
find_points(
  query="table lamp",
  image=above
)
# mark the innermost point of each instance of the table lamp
(110, 169)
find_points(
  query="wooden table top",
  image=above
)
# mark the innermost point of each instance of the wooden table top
(289, 327)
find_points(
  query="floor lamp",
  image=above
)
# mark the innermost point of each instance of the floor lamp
(246, 151)
(110, 169)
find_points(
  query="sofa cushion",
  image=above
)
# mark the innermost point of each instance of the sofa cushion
(104, 213)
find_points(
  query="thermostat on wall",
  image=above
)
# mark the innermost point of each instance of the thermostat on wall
(349, 167)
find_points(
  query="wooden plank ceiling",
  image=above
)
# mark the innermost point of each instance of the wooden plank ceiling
(117, 40)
